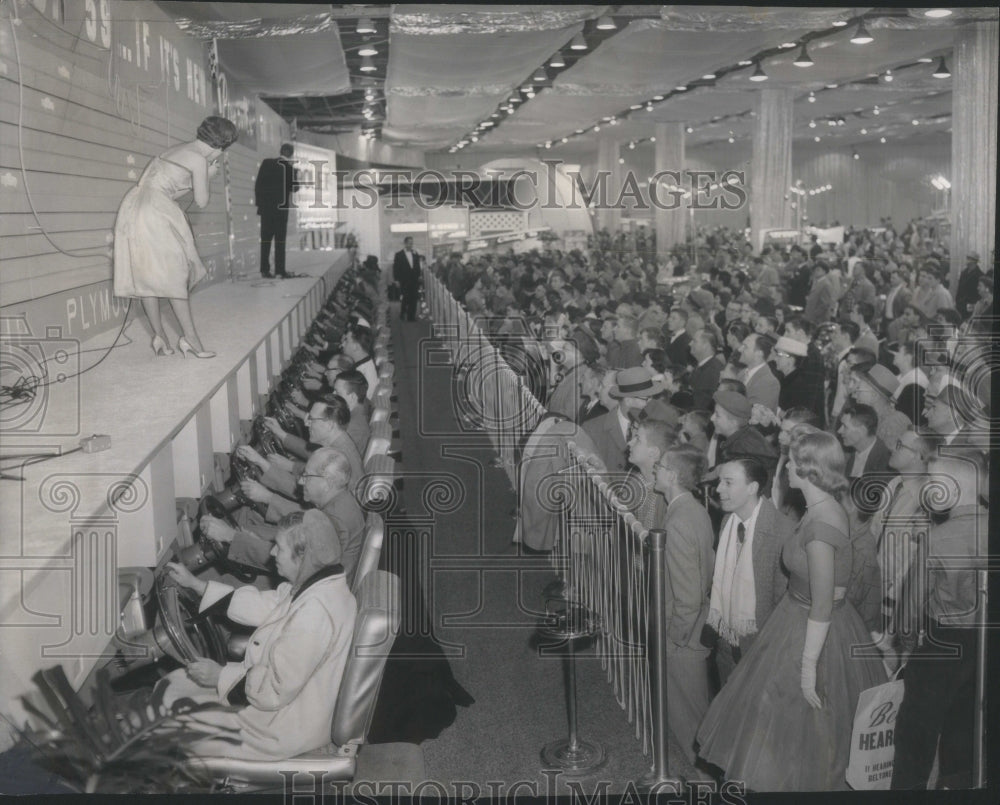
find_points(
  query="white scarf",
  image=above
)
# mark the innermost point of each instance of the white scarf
(733, 605)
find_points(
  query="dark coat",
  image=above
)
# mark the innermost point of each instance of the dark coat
(273, 187)
(609, 442)
(911, 403)
(678, 351)
(403, 272)
(704, 382)
(878, 459)
(799, 389)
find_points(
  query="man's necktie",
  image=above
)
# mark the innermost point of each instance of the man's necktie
(741, 538)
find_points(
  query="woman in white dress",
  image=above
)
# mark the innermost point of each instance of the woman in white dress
(155, 255)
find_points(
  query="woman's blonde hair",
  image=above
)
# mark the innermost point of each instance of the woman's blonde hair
(312, 536)
(819, 459)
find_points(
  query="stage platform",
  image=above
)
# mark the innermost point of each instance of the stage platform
(76, 518)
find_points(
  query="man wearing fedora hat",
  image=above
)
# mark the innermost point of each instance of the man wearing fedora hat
(875, 386)
(610, 433)
(734, 436)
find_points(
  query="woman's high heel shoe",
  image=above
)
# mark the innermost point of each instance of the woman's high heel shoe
(185, 348)
(160, 346)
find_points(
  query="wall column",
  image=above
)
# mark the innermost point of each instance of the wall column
(668, 155)
(771, 164)
(608, 215)
(973, 146)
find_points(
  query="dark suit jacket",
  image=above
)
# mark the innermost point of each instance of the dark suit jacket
(565, 397)
(911, 403)
(402, 272)
(273, 187)
(878, 458)
(609, 441)
(704, 382)
(799, 389)
(678, 351)
(771, 531)
(625, 355)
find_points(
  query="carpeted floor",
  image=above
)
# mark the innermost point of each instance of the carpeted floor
(474, 603)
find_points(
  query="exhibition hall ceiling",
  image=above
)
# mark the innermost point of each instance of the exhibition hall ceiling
(523, 78)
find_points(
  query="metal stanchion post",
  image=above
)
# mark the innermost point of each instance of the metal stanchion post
(656, 641)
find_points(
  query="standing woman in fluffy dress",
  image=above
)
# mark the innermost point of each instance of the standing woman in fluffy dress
(783, 721)
(155, 255)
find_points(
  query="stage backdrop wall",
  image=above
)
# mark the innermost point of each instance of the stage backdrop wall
(90, 93)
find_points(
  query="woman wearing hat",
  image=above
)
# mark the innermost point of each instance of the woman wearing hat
(875, 386)
(783, 721)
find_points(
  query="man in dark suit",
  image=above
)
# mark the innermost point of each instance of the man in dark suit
(762, 386)
(704, 378)
(272, 195)
(677, 340)
(744, 595)
(406, 272)
(866, 454)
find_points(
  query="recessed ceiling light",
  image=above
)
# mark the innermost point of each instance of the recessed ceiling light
(803, 59)
(365, 26)
(937, 13)
(942, 70)
(606, 24)
(861, 36)
(578, 43)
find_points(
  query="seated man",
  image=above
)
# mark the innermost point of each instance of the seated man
(325, 485)
(353, 387)
(286, 685)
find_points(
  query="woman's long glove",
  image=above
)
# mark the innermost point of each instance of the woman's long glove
(815, 638)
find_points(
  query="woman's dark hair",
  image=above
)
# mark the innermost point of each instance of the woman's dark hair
(218, 132)
(658, 358)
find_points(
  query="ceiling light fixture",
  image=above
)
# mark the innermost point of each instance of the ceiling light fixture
(368, 50)
(689, 130)
(709, 76)
(578, 43)
(861, 36)
(856, 155)
(812, 97)
(365, 26)
(631, 146)
(864, 131)
(744, 62)
(881, 139)
(942, 70)
(787, 45)
(803, 60)
(657, 97)
(540, 76)
(367, 65)
(681, 88)
(887, 77)
(937, 13)
(652, 139)
(840, 24)
(758, 74)
(606, 24)
(565, 139)
(817, 138)
(831, 86)
(557, 61)
(812, 124)
(597, 128)
(876, 111)
(925, 60)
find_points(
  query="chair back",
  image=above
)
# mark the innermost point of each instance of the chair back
(379, 439)
(376, 491)
(371, 549)
(375, 631)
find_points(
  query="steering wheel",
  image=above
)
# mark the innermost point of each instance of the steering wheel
(207, 551)
(180, 631)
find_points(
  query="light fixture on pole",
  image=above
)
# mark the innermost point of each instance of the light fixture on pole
(606, 24)
(578, 43)
(861, 36)
(758, 74)
(803, 59)
(365, 26)
(942, 70)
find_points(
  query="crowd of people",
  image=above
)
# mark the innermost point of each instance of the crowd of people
(784, 410)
